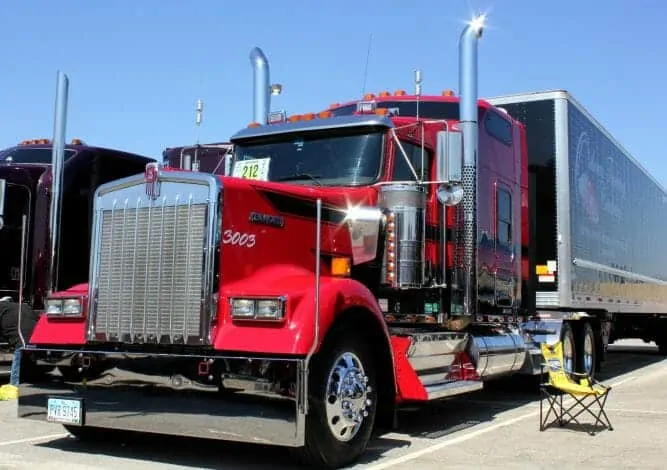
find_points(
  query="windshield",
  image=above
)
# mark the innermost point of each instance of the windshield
(30, 155)
(347, 157)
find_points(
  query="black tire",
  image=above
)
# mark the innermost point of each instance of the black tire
(322, 448)
(587, 352)
(9, 332)
(9, 322)
(569, 347)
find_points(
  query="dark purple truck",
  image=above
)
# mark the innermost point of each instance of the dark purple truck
(207, 158)
(26, 189)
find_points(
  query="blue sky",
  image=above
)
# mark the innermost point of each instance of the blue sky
(137, 67)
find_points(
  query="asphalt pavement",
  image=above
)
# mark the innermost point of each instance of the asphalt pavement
(495, 428)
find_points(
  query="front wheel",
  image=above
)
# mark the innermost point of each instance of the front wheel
(342, 402)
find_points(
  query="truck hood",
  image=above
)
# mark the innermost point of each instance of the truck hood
(332, 196)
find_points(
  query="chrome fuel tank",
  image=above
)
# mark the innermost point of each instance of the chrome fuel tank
(496, 351)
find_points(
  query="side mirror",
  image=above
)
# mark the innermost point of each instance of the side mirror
(228, 164)
(3, 188)
(449, 167)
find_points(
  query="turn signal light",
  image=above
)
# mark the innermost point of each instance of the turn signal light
(390, 249)
(341, 266)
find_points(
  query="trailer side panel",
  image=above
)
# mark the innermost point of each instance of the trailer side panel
(618, 223)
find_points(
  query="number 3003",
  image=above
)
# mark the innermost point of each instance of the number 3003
(230, 237)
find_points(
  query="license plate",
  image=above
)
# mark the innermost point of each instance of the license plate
(64, 411)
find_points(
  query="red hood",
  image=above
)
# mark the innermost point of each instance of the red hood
(337, 196)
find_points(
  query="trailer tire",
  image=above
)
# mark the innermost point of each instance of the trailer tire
(569, 348)
(343, 365)
(586, 349)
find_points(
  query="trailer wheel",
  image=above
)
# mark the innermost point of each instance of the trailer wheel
(569, 349)
(586, 349)
(342, 402)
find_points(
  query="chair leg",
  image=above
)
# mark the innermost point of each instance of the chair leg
(552, 403)
(586, 408)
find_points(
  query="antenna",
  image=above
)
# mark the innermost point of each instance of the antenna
(199, 117)
(368, 58)
(418, 93)
(418, 87)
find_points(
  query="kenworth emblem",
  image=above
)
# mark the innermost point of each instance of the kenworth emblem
(152, 180)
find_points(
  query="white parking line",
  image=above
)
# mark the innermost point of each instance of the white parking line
(33, 439)
(653, 370)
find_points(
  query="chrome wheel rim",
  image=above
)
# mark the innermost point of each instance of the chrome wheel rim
(589, 354)
(568, 354)
(347, 397)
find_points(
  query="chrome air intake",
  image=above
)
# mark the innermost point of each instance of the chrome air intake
(403, 265)
(154, 243)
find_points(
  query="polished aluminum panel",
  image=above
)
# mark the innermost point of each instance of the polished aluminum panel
(407, 202)
(152, 269)
(157, 394)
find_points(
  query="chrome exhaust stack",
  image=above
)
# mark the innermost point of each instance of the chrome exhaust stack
(58, 163)
(261, 86)
(3, 190)
(469, 127)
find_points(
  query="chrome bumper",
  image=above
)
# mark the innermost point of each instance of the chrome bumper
(150, 393)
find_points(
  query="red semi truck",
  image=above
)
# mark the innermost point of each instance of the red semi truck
(394, 250)
(60, 205)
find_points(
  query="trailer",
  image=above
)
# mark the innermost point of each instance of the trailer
(46, 218)
(375, 254)
(597, 218)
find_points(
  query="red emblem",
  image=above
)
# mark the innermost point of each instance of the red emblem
(152, 180)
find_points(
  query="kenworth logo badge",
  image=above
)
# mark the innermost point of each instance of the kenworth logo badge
(152, 180)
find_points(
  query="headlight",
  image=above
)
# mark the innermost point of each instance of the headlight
(258, 309)
(61, 308)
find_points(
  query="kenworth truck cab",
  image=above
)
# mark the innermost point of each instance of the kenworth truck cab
(350, 264)
(297, 302)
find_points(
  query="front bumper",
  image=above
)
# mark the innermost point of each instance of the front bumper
(150, 393)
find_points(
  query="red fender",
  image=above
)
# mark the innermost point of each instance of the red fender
(63, 331)
(295, 334)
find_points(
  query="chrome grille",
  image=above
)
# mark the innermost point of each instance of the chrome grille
(150, 272)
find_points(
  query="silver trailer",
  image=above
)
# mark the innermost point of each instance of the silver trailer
(598, 261)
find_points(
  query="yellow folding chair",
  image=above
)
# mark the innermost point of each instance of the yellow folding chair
(587, 393)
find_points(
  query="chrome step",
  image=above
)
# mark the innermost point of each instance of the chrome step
(434, 356)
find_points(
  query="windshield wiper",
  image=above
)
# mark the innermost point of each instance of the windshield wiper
(300, 176)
